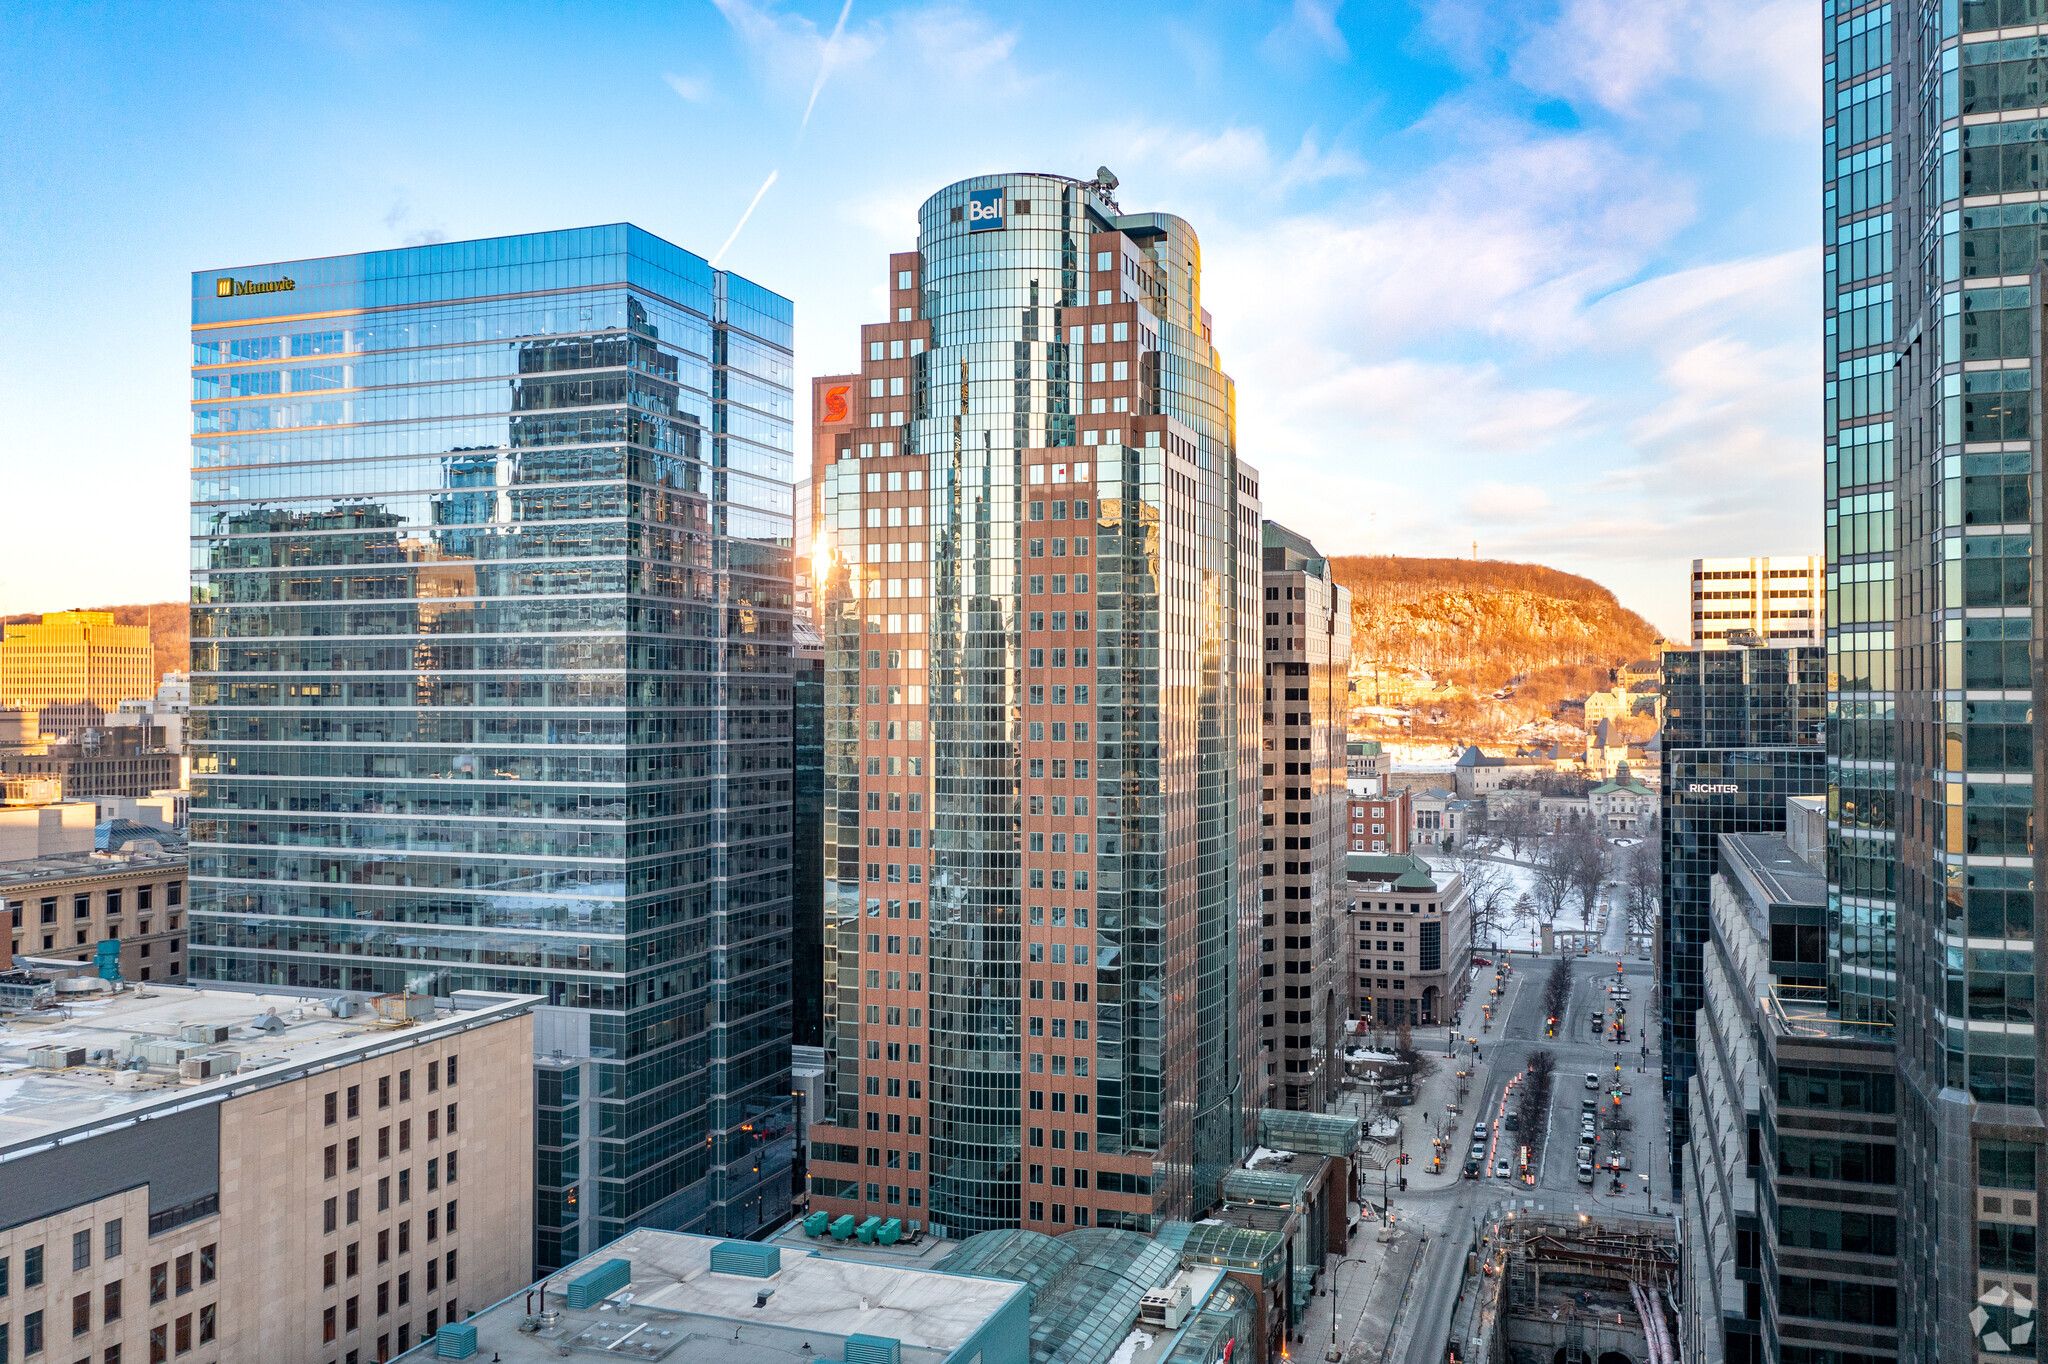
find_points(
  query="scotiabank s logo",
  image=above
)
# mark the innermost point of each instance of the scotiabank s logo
(984, 209)
(836, 404)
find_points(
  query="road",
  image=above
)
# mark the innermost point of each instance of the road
(1446, 1215)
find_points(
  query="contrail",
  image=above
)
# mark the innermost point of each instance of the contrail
(825, 64)
(744, 216)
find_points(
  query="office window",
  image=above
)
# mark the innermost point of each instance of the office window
(206, 1262)
(81, 1250)
(110, 1302)
(184, 1263)
(112, 1239)
(32, 1267)
(81, 1313)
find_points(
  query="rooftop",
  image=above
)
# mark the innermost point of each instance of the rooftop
(673, 1301)
(39, 1103)
(33, 871)
(1767, 866)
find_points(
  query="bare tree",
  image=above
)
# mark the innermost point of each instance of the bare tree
(1587, 864)
(1554, 859)
(1643, 884)
(1520, 824)
(1486, 886)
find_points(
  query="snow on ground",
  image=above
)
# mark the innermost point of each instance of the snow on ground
(1368, 1054)
(1384, 1129)
(1265, 1153)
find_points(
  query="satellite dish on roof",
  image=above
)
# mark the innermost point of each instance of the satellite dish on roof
(1104, 178)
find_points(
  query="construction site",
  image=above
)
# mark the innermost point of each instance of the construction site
(1568, 1288)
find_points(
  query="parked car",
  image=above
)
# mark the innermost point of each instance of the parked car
(1585, 1172)
(1482, 961)
(1592, 1079)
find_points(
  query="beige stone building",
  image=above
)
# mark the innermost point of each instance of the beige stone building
(64, 907)
(205, 1175)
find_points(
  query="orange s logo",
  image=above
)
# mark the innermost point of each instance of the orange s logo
(835, 402)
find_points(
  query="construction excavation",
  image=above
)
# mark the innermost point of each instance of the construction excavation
(1564, 1288)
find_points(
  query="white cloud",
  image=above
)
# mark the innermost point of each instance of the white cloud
(1310, 29)
(1636, 57)
(695, 89)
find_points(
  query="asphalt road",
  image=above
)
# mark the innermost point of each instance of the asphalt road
(1448, 1214)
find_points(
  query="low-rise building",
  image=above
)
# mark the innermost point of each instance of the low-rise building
(1410, 933)
(1365, 760)
(1377, 823)
(130, 760)
(122, 908)
(862, 1292)
(41, 823)
(210, 1175)
(1623, 803)
(1477, 773)
(1442, 819)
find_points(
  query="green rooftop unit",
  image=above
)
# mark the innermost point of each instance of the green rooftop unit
(867, 1230)
(455, 1341)
(593, 1286)
(750, 1258)
(842, 1226)
(873, 1350)
(815, 1224)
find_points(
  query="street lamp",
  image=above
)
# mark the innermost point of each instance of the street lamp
(1333, 1353)
(1646, 1195)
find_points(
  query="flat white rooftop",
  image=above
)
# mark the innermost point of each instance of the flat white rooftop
(674, 1302)
(39, 1105)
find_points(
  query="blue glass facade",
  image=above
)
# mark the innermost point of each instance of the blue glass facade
(1742, 731)
(491, 590)
(1954, 804)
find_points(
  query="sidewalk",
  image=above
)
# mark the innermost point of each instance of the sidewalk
(1435, 1095)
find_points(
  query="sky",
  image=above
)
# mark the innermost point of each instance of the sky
(1537, 275)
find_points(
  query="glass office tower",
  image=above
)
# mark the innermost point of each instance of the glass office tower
(1042, 692)
(1742, 731)
(1945, 169)
(490, 681)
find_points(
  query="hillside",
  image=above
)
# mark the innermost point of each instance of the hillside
(1483, 627)
(169, 625)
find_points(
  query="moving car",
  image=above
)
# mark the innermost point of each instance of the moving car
(1501, 1170)
(1472, 1168)
(1585, 1172)
(1479, 1130)
(1592, 1079)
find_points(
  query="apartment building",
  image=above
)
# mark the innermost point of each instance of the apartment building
(204, 1175)
(1302, 1003)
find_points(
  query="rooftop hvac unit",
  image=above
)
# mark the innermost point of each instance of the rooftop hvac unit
(1165, 1308)
(750, 1258)
(161, 1051)
(206, 1067)
(56, 1058)
(594, 1286)
(404, 1006)
(862, 1349)
(207, 1034)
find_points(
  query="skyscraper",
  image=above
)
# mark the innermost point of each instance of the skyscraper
(1742, 731)
(1304, 994)
(1042, 727)
(1935, 204)
(490, 637)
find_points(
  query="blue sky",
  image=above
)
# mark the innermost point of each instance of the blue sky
(1542, 275)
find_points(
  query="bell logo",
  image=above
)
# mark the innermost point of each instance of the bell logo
(984, 209)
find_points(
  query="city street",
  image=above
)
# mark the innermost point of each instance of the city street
(1435, 1217)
